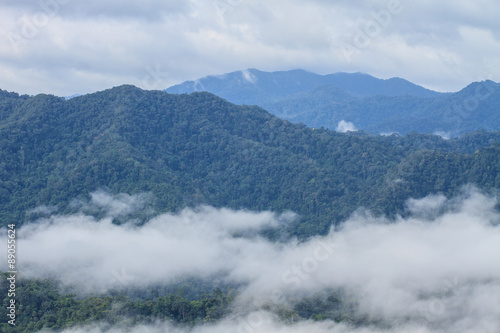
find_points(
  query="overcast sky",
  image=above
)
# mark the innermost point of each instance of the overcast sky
(67, 47)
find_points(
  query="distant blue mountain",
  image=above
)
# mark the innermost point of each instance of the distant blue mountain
(255, 87)
(371, 104)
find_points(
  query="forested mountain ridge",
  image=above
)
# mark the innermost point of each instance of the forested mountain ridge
(257, 87)
(188, 150)
(200, 149)
(372, 105)
(473, 108)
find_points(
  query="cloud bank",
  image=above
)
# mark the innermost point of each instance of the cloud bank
(435, 271)
(67, 47)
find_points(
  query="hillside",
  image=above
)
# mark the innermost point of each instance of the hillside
(257, 87)
(188, 150)
(373, 105)
(450, 115)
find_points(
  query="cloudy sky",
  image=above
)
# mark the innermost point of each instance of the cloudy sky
(66, 47)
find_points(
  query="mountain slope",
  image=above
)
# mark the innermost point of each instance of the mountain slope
(373, 105)
(366, 85)
(196, 149)
(256, 87)
(473, 108)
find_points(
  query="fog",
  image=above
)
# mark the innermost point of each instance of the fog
(435, 271)
(345, 126)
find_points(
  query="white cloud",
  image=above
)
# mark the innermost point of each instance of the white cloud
(432, 272)
(427, 207)
(113, 206)
(444, 135)
(90, 253)
(249, 77)
(79, 47)
(345, 126)
(254, 322)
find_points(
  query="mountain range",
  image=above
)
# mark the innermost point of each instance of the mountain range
(158, 152)
(199, 149)
(373, 105)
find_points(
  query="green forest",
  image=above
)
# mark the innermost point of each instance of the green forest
(188, 150)
(42, 305)
(199, 149)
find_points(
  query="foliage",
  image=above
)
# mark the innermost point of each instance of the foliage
(199, 149)
(42, 306)
(451, 114)
(196, 149)
(373, 105)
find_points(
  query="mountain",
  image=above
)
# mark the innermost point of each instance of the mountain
(450, 114)
(256, 87)
(372, 105)
(188, 150)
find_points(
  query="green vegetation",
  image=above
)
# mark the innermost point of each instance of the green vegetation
(188, 150)
(42, 306)
(373, 105)
(475, 107)
(199, 149)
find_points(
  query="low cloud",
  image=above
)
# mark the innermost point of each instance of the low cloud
(92, 254)
(114, 206)
(42, 210)
(249, 77)
(264, 322)
(435, 271)
(345, 126)
(428, 207)
(444, 135)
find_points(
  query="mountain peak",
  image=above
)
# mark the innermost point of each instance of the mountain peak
(372, 104)
(485, 83)
(480, 90)
(252, 86)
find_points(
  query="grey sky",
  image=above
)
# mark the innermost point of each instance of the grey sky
(65, 47)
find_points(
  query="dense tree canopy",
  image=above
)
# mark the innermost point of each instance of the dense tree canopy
(188, 150)
(199, 149)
